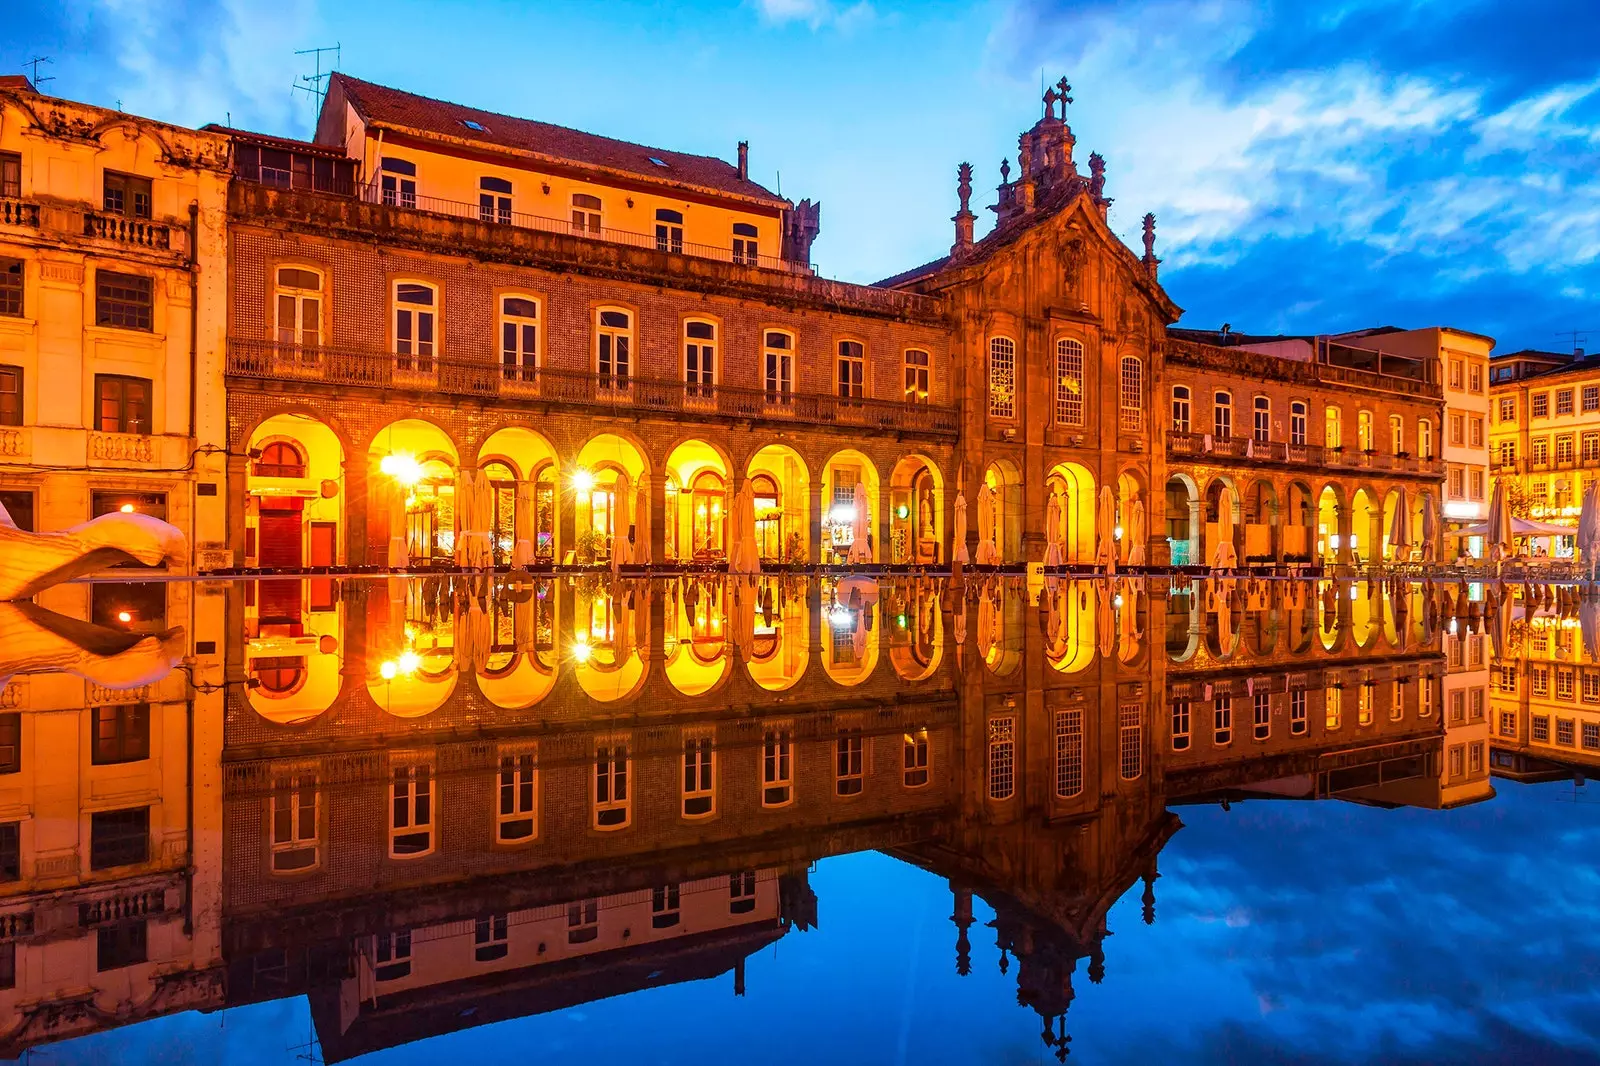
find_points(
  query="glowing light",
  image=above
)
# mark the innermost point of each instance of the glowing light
(1333, 541)
(1116, 532)
(409, 661)
(124, 616)
(403, 468)
(582, 480)
(388, 670)
(900, 620)
(126, 508)
(902, 511)
(581, 651)
(1116, 601)
(842, 514)
(839, 616)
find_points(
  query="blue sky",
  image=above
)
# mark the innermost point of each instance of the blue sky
(1313, 167)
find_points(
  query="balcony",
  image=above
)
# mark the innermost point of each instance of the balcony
(16, 212)
(138, 232)
(450, 375)
(1204, 445)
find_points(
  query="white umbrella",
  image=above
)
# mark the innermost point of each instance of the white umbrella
(641, 523)
(860, 548)
(1223, 554)
(987, 552)
(1400, 526)
(1430, 524)
(1589, 623)
(522, 520)
(1589, 527)
(1052, 531)
(747, 519)
(1106, 520)
(621, 549)
(462, 499)
(1136, 533)
(483, 505)
(742, 555)
(1498, 527)
(958, 543)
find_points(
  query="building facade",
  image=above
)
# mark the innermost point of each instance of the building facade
(1545, 437)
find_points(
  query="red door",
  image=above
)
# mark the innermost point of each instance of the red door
(280, 550)
(324, 541)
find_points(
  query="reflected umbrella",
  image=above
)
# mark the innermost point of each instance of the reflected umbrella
(34, 640)
(958, 543)
(1136, 533)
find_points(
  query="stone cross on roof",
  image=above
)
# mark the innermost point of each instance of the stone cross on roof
(1061, 92)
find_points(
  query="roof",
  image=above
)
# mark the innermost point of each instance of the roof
(1221, 340)
(1535, 353)
(392, 109)
(288, 144)
(17, 82)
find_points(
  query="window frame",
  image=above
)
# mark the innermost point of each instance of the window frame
(777, 766)
(300, 296)
(290, 786)
(494, 199)
(1002, 377)
(126, 740)
(1222, 414)
(522, 785)
(1070, 405)
(780, 387)
(12, 380)
(128, 188)
(1299, 423)
(612, 774)
(1182, 409)
(855, 362)
(124, 422)
(419, 361)
(614, 361)
(517, 363)
(592, 208)
(13, 293)
(1130, 394)
(705, 352)
(919, 376)
(416, 799)
(114, 305)
(1261, 419)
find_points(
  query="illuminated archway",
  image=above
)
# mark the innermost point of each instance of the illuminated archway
(525, 481)
(1330, 505)
(411, 481)
(1300, 521)
(849, 478)
(697, 639)
(916, 512)
(781, 650)
(849, 640)
(699, 493)
(781, 485)
(1130, 490)
(602, 482)
(298, 675)
(1075, 487)
(1213, 515)
(1070, 641)
(916, 633)
(1366, 527)
(605, 658)
(1183, 520)
(1262, 522)
(1004, 482)
(295, 491)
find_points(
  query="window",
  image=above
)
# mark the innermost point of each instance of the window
(1563, 401)
(398, 181)
(516, 816)
(294, 821)
(10, 743)
(1540, 405)
(614, 347)
(123, 301)
(1455, 373)
(1590, 449)
(1333, 428)
(123, 404)
(848, 778)
(10, 175)
(1002, 377)
(745, 247)
(298, 307)
(1591, 736)
(489, 938)
(669, 230)
(1591, 398)
(1069, 382)
(1002, 758)
(1564, 449)
(664, 907)
(10, 396)
(1508, 723)
(914, 759)
(1540, 452)
(1069, 753)
(1564, 732)
(10, 286)
(1132, 393)
(1541, 681)
(1457, 761)
(19, 505)
(1180, 725)
(742, 892)
(1297, 423)
(777, 768)
(411, 811)
(1508, 406)
(121, 734)
(1261, 718)
(699, 777)
(1475, 431)
(917, 367)
(779, 358)
(1180, 409)
(1364, 438)
(1540, 728)
(852, 367)
(1475, 705)
(1456, 490)
(494, 200)
(1261, 429)
(1474, 378)
(127, 195)
(1130, 741)
(583, 921)
(119, 838)
(1477, 484)
(1425, 438)
(121, 944)
(10, 851)
(414, 321)
(613, 808)
(391, 955)
(1458, 707)
(1222, 415)
(1397, 435)
(1222, 720)
(519, 337)
(1297, 712)
(1591, 687)
(700, 359)
(585, 213)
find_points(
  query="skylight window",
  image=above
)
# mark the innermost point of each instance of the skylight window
(471, 125)
(658, 162)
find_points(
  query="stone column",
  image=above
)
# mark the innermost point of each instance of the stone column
(357, 493)
(814, 533)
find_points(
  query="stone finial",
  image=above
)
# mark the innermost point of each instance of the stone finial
(1097, 175)
(1025, 172)
(1005, 170)
(1150, 260)
(964, 217)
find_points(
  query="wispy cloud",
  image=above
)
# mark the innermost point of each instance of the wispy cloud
(817, 13)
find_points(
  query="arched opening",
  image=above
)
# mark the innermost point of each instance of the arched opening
(413, 474)
(781, 485)
(1299, 524)
(1070, 640)
(916, 512)
(781, 650)
(697, 637)
(850, 641)
(411, 667)
(1075, 490)
(1132, 519)
(1329, 507)
(1366, 527)
(525, 482)
(604, 653)
(602, 483)
(849, 481)
(916, 634)
(1216, 490)
(298, 672)
(294, 505)
(1184, 520)
(1004, 483)
(999, 631)
(1262, 522)
(698, 496)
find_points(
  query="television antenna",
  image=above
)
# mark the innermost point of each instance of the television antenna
(316, 85)
(34, 63)
(1577, 335)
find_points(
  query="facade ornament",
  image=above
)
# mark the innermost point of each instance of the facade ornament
(1005, 171)
(1025, 173)
(1150, 261)
(1097, 175)
(1058, 93)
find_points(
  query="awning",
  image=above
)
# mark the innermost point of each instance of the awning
(1520, 527)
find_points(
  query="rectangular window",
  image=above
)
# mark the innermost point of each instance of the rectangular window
(848, 778)
(1475, 432)
(665, 903)
(1590, 449)
(583, 921)
(1540, 728)
(1425, 438)
(1475, 706)
(699, 777)
(1591, 686)
(489, 938)
(700, 359)
(586, 213)
(1002, 758)
(517, 808)
(126, 195)
(1508, 452)
(1130, 741)
(914, 758)
(1222, 416)
(1180, 409)
(1180, 725)
(1069, 382)
(1297, 423)
(1564, 732)
(10, 851)
(123, 301)
(1069, 753)
(119, 838)
(391, 955)
(1474, 378)
(852, 370)
(1541, 681)
(1564, 450)
(1566, 684)
(10, 396)
(1002, 378)
(1540, 451)
(917, 366)
(1563, 401)
(742, 892)
(1458, 707)
(613, 803)
(1261, 718)
(1540, 405)
(494, 200)
(669, 230)
(121, 944)
(1297, 712)
(414, 326)
(1457, 490)
(780, 368)
(1508, 406)
(746, 248)
(1457, 430)
(1591, 398)
(1508, 723)
(1455, 373)
(121, 734)
(123, 404)
(1222, 720)
(398, 182)
(294, 821)
(1591, 736)
(1132, 393)
(11, 175)
(777, 768)
(1262, 428)
(1476, 482)
(10, 286)
(411, 811)
(1457, 761)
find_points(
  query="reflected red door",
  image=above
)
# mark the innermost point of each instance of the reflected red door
(324, 541)
(280, 550)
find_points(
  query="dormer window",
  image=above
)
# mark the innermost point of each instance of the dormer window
(669, 230)
(744, 243)
(494, 200)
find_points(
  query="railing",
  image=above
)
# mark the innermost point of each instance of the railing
(1180, 444)
(13, 443)
(454, 376)
(15, 212)
(1555, 462)
(121, 447)
(523, 220)
(121, 907)
(136, 231)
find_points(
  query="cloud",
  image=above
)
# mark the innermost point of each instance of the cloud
(817, 13)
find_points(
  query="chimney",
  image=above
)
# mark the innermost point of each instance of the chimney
(744, 160)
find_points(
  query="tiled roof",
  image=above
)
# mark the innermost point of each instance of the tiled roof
(16, 82)
(288, 144)
(392, 108)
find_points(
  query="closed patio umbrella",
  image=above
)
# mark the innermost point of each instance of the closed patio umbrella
(747, 528)
(1430, 530)
(1498, 526)
(1589, 528)
(987, 553)
(1105, 623)
(522, 551)
(462, 498)
(1052, 531)
(1224, 556)
(621, 505)
(860, 541)
(1105, 521)
(641, 522)
(1400, 528)
(1136, 533)
(1589, 622)
(958, 542)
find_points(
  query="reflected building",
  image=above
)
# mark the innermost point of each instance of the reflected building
(1544, 700)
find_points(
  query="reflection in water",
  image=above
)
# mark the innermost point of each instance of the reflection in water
(434, 804)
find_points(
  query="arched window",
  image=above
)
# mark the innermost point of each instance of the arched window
(1333, 428)
(1180, 409)
(519, 337)
(1397, 434)
(746, 249)
(1425, 438)
(769, 517)
(917, 370)
(279, 675)
(1364, 439)
(852, 370)
(1069, 382)
(669, 230)
(1222, 415)
(1262, 426)
(700, 359)
(1132, 393)
(280, 459)
(778, 357)
(298, 307)
(586, 213)
(613, 347)
(1002, 377)
(1297, 422)
(494, 200)
(708, 493)
(415, 325)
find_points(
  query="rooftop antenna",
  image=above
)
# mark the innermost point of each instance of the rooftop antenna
(316, 85)
(34, 63)
(1577, 335)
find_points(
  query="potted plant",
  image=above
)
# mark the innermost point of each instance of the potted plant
(587, 546)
